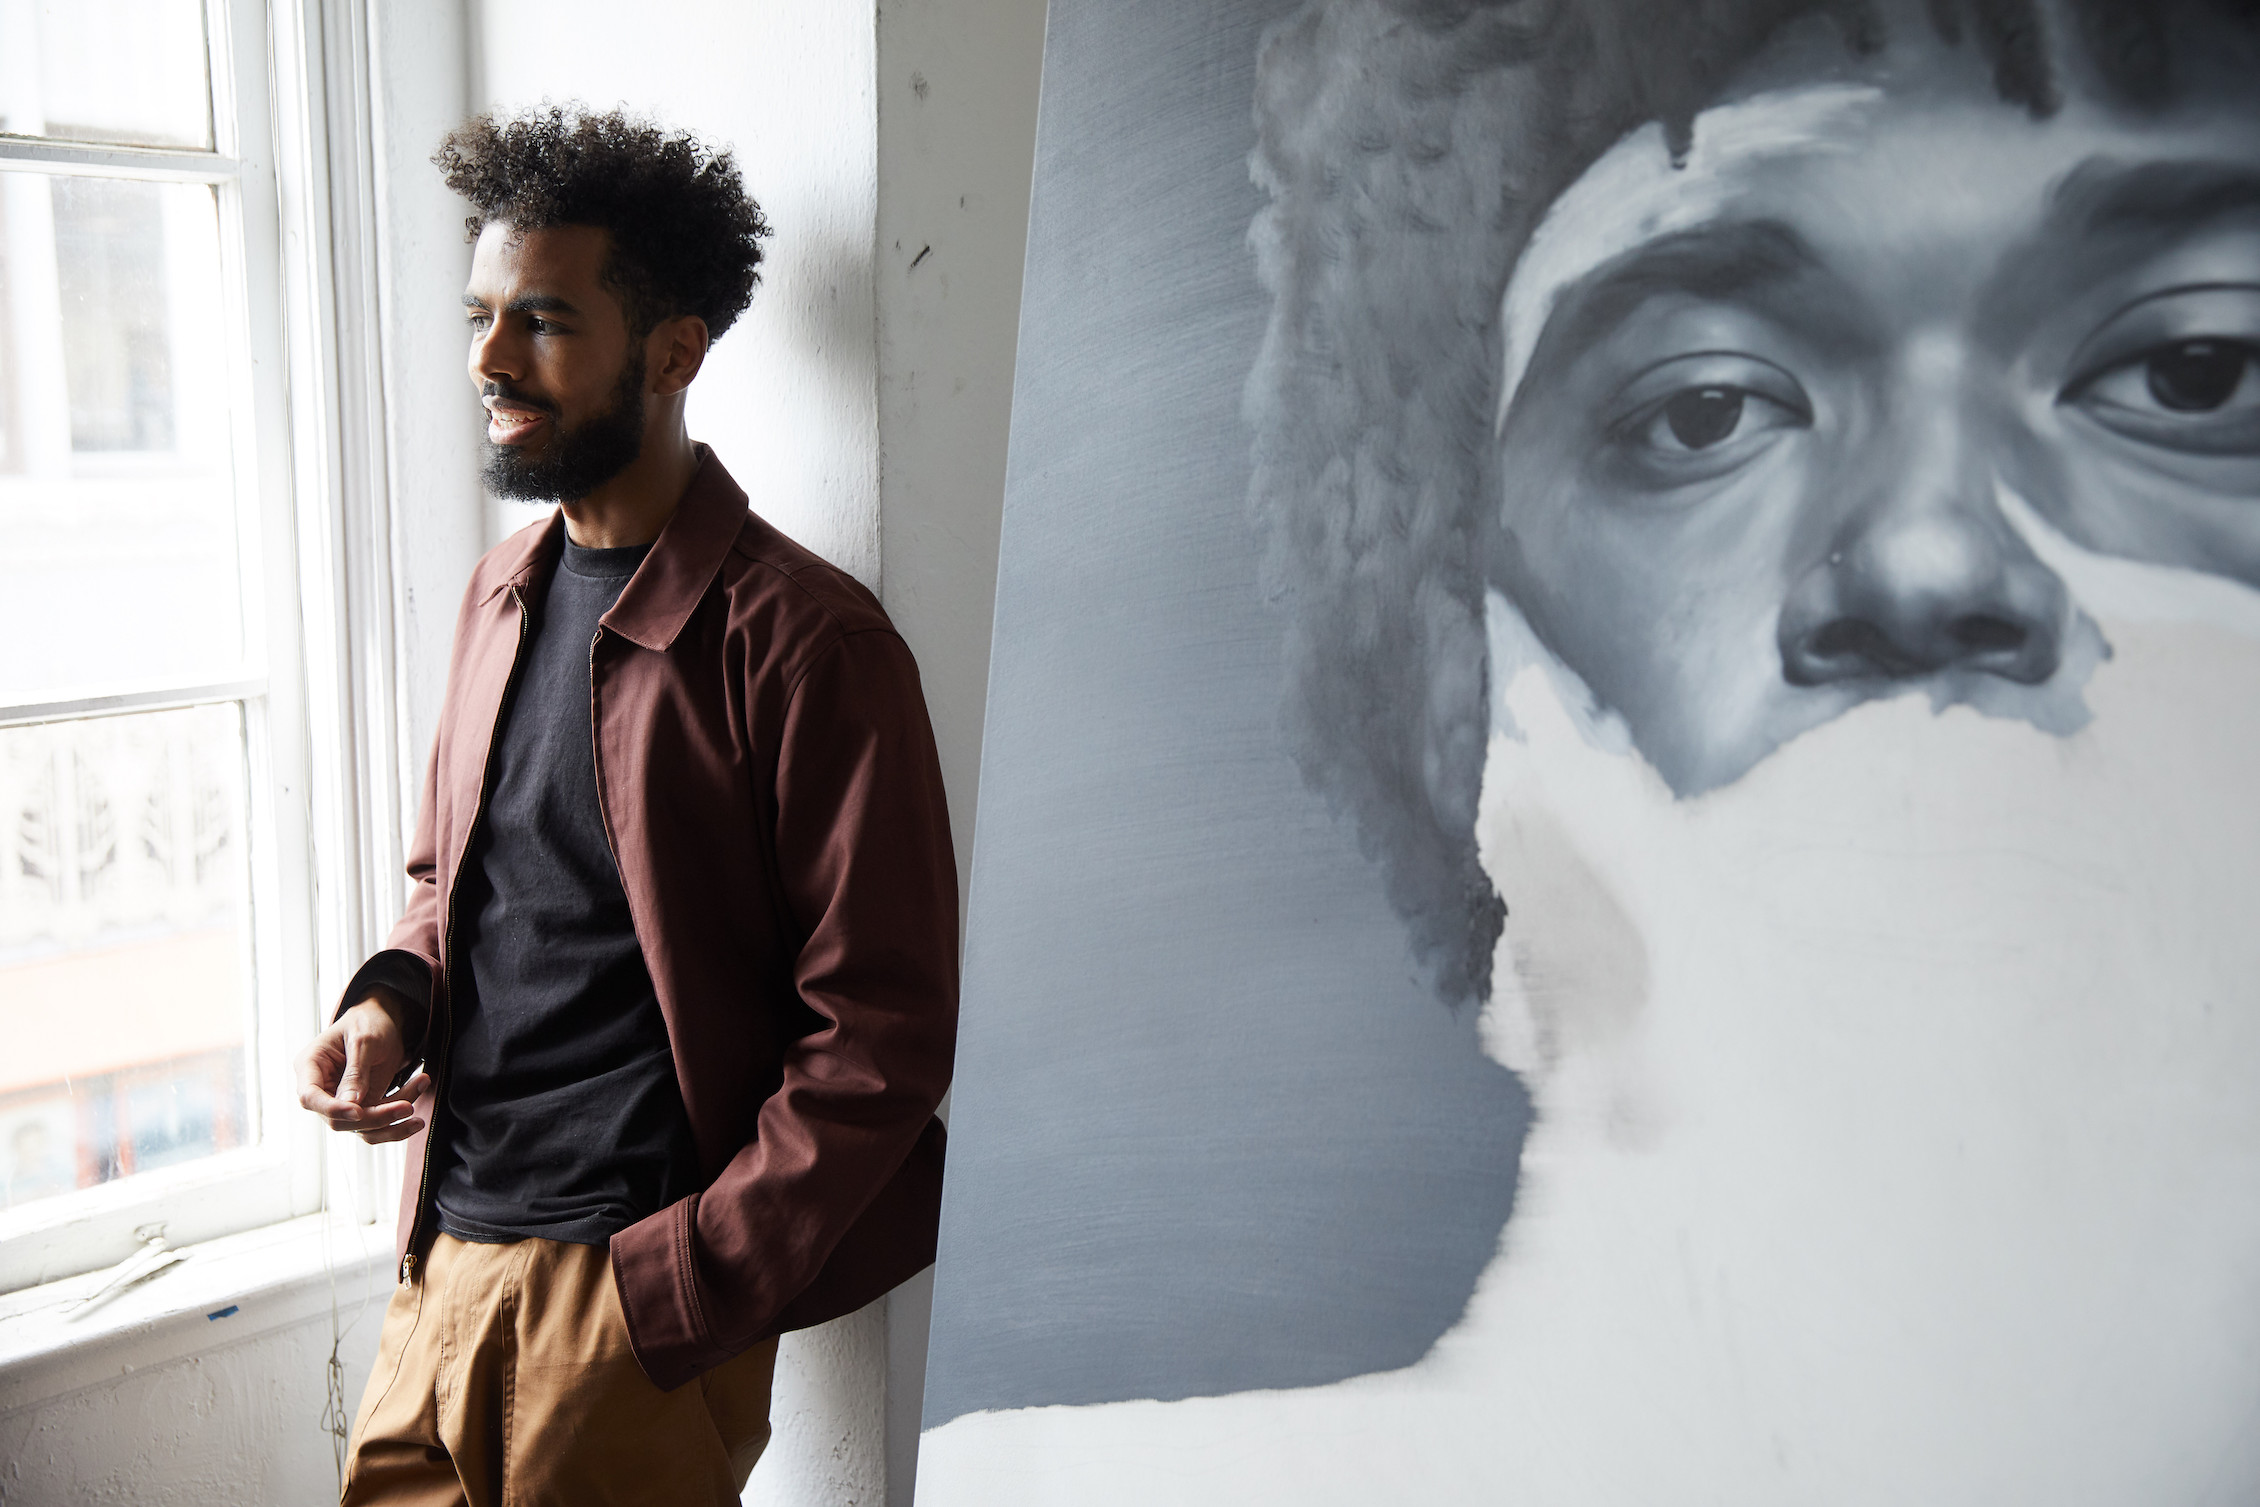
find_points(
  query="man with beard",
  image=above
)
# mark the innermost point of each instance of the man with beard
(1771, 492)
(680, 963)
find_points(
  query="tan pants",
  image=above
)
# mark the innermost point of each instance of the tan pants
(504, 1377)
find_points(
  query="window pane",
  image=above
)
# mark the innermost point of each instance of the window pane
(116, 487)
(131, 71)
(125, 987)
(110, 273)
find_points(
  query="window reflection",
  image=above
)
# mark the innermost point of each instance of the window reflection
(117, 483)
(127, 71)
(124, 980)
(117, 347)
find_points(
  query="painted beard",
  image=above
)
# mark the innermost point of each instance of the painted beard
(576, 461)
(1895, 1130)
(1895, 1125)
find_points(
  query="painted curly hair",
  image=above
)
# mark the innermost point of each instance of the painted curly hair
(686, 236)
(1409, 149)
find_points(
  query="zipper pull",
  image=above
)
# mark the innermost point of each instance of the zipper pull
(408, 1269)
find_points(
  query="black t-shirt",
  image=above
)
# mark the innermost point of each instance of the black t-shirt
(563, 1116)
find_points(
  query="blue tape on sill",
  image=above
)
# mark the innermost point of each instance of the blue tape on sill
(223, 1313)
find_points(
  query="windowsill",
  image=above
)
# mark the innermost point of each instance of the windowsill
(226, 1291)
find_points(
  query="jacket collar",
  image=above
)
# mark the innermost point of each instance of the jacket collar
(683, 561)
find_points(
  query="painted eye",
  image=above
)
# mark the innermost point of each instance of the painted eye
(2179, 372)
(1696, 420)
(1704, 416)
(2197, 376)
(1697, 417)
(2197, 396)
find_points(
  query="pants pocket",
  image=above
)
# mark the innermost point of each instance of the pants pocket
(404, 1312)
(736, 1394)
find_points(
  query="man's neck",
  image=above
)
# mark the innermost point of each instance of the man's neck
(632, 507)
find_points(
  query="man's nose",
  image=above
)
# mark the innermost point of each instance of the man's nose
(1926, 574)
(495, 355)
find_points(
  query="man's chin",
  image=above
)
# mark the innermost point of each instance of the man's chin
(554, 471)
(514, 473)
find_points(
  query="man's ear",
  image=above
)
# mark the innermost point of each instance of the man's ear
(674, 351)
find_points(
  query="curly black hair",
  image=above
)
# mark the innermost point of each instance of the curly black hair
(1408, 149)
(686, 236)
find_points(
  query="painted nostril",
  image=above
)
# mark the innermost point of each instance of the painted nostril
(1851, 638)
(1983, 633)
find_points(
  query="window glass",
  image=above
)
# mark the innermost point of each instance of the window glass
(125, 980)
(125, 71)
(116, 488)
(110, 273)
(150, 788)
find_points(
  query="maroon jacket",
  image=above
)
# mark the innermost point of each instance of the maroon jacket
(769, 785)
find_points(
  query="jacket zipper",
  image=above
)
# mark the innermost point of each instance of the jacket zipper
(604, 820)
(596, 762)
(604, 815)
(437, 1034)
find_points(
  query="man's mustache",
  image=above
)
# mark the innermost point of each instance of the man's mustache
(510, 394)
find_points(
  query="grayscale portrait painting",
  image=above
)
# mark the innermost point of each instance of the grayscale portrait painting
(1621, 817)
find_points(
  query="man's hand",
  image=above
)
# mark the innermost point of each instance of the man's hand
(342, 1075)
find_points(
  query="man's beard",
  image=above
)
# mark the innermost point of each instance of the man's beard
(576, 461)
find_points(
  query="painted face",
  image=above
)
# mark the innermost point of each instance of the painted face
(1767, 414)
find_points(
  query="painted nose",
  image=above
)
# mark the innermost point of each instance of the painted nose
(1927, 579)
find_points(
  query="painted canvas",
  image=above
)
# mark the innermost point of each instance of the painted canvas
(1620, 818)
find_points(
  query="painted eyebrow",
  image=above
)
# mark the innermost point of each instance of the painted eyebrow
(1719, 262)
(531, 303)
(2103, 194)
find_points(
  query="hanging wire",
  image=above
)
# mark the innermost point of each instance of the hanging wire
(337, 1411)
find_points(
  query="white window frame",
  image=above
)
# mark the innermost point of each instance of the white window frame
(291, 165)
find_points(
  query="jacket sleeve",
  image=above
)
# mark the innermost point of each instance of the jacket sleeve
(409, 961)
(869, 884)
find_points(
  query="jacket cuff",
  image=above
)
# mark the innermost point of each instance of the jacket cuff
(656, 1274)
(405, 974)
(655, 1269)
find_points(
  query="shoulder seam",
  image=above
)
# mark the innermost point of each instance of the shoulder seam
(737, 547)
(792, 574)
(844, 634)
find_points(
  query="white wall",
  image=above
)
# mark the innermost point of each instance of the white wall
(240, 1422)
(421, 85)
(957, 132)
(787, 398)
(203, 1385)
